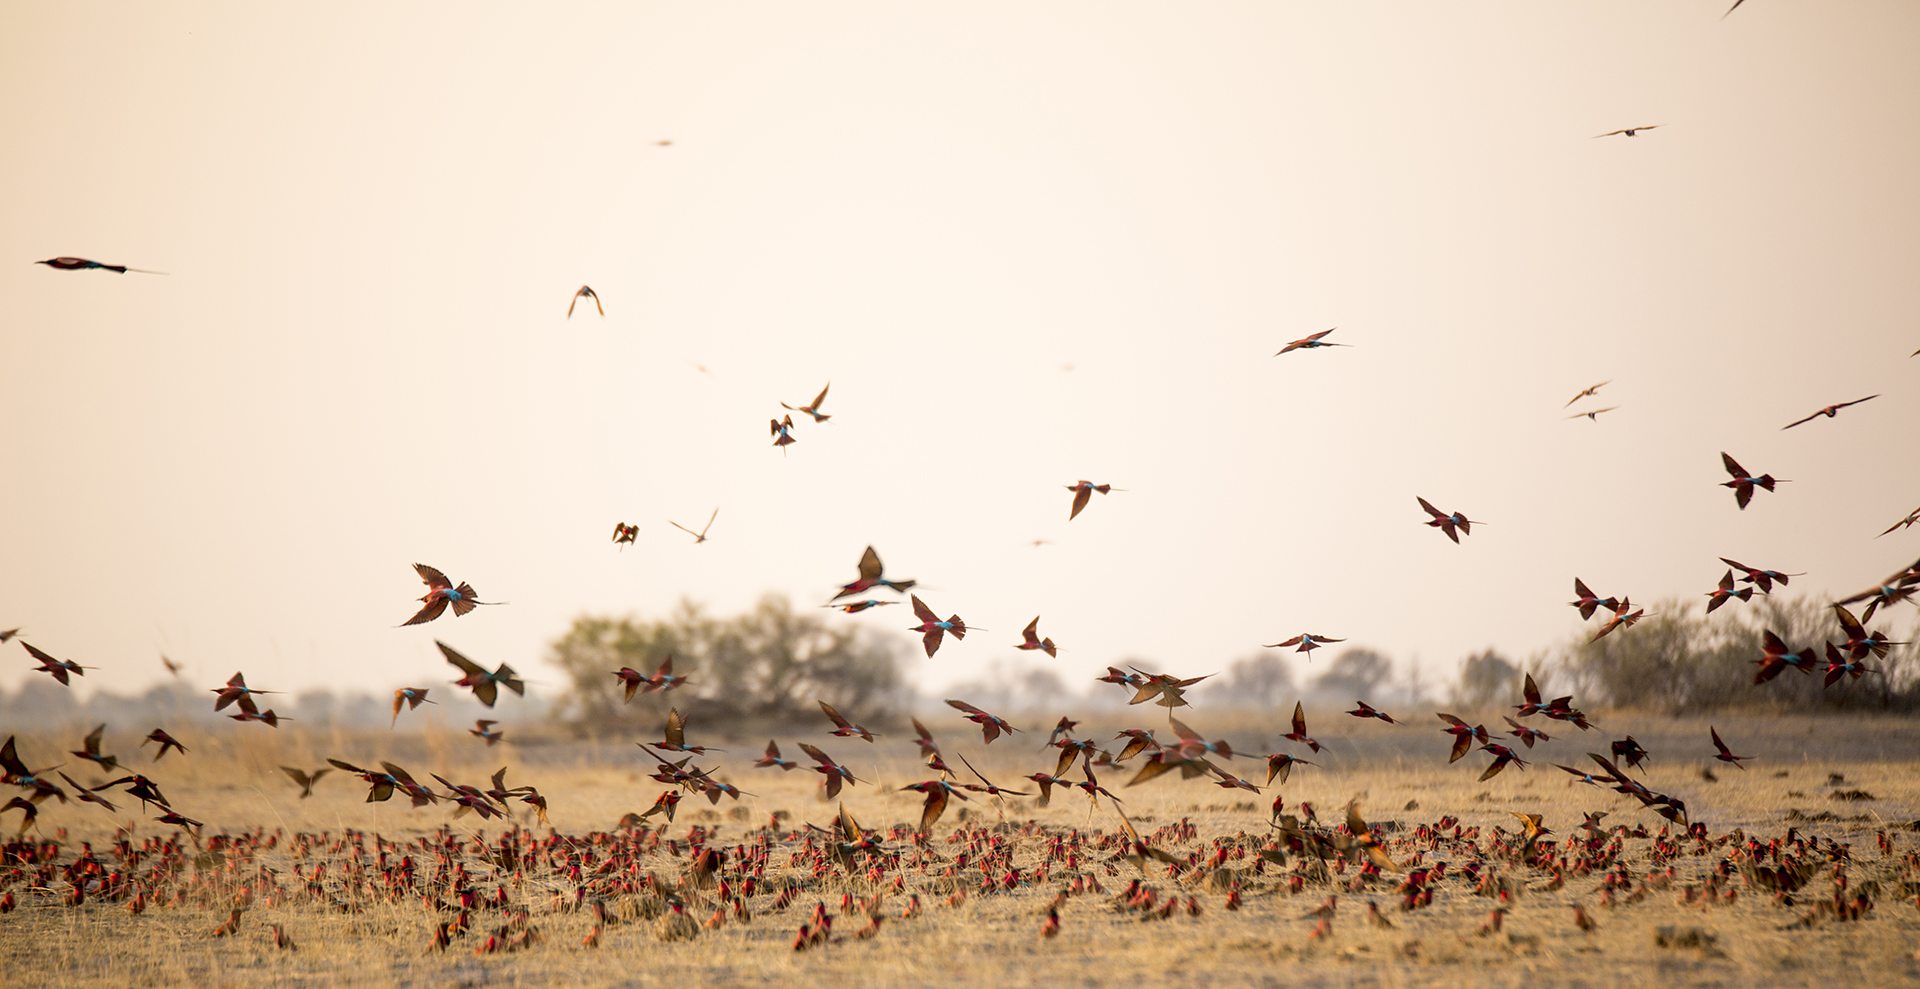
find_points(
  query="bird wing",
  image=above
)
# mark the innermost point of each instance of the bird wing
(870, 568)
(676, 727)
(834, 716)
(467, 666)
(432, 577)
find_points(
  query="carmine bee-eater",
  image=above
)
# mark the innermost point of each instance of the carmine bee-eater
(871, 576)
(441, 594)
(82, 264)
(932, 628)
(1083, 492)
(1743, 483)
(1454, 524)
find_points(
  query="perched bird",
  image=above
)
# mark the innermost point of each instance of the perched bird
(1306, 641)
(1725, 754)
(1629, 131)
(1830, 411)
(441, 593)
(409, 697)
(585, 292)
(1447, 522)
(305, 779)
(871, 576)
(842, 727)
(701, 536)
(166, 741)
(931, 628)
(1030, 639)
(485, 686)
(1082, 493)
(56, 668)
(82, 264)
(1743, 483)
(813, 408)
(990, 725)
(1311, 341)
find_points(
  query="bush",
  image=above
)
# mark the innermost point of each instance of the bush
(769, 665)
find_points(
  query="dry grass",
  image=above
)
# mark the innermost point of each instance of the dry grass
(229, 780)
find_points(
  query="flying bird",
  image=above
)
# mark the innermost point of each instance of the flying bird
(1306, 641)
(931, 628)
(1743, 483)
(813, 408)
(1030, 639)
(82, 264)
(483, 730)
(56, 668)
(1631, 131)
(441, 593)
(1719, 595)
(1082, 493)
(1725, 754)
(1912, 517)
(585, 292)
(1588, 392)
(1764, 579)
(624, 534)
(1830, 411)
(782, 431)
(235, 690)
(166, 741)
(844, 728)
(1299, 732)
(1593, 416)
(305, 779)
(701, 536)
(1447, 522)
(485, 686)
(871, 576)
(990, 725)
(835, 773)
(1310, 342)
(409, 697)
(1586, 603)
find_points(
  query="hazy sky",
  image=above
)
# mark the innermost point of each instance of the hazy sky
(1027, 243)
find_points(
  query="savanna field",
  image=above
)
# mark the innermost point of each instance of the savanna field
(1803, 870)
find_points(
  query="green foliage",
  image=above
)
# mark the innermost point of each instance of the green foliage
(1680, 660)
(769, 665)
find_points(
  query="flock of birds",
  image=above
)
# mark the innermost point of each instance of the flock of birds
(612, 874)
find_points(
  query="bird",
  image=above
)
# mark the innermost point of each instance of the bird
(834, 773)
(1743, 483)
(1082, 493)
(1908, 522)
(1447, 522)
(1502, 757)
(1030, 639)
(585, 292)
(871, 576)
(938, 792)
(1364, 710)
(1730, 10)
(990, 725)
(1830, 411)
(90, 750)
(1775, 657)
(625, 533)
(56, 668)
(844, 728)
(782, 432)
(813, 408)
(674, 736)
(1587, 392)
(1764, 579)
(1280, 766)
(1306, 641)
(1725, 754)
(1719, 595)
(305, 779)
(483, 730)
(772, 759)
(1593, 416)
(1464, 735)
(442, 593)
(1630, 131)
(236, 690)
(485, 686)
(166, 741)
(986, 785)
(1299, 732)
(931, 628)
(1310, 342)
(409, 697)
(82, 264)
(1622, 618)
(701, 536)
(1586, 603)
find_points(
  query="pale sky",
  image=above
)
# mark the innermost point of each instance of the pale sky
(1027, 244)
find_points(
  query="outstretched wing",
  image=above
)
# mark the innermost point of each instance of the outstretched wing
(432, 577)
(467, 666)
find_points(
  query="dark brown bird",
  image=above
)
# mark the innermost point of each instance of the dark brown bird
(1830, 411)
(305, 779)
(166, 741)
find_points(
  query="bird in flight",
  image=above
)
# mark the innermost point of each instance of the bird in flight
(701, 536)
(1588, 392)
(485, 686)
(931, 628)
(1765, 579)
(585, 292)
(782, 432)
(1719, 595)
(1447, 522)
(1743, 483)
(871, 577)
(1593, 416)
(410, 698)
(1082, 493)
(57, 668)
(624, 534)
(441, 593)
(1030, 639)
(1830, 411)
(1311, 341)
(1912, 517)
(813, 408)
(1725, 754)
(843, 728)
(1306, 641)
(1587, 604)
(82, 264)
(1629, 131)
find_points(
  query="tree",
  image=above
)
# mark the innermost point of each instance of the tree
(1259, 680)
(1486, 678)
(1354, 674)
(771, 664)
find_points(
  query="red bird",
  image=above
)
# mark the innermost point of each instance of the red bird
(1501, 757)
(1306, 641)
(1725, 754)
(1719, 595)
(1743, 483)
(1311, 341)
(1585, 601)
(1299, 732)
(772, 759)
(166, 741)
(844, 728)
(1364, 710)
(56, 668)
(1830, 411)
(1764, 579)
(1030, 639)
(931, 628)
(1775, 657)
(1464, 735)
(990, 725)
(441, 593)
(1083, 492)
(835, 773)
(872, 575)
(1454, 524)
